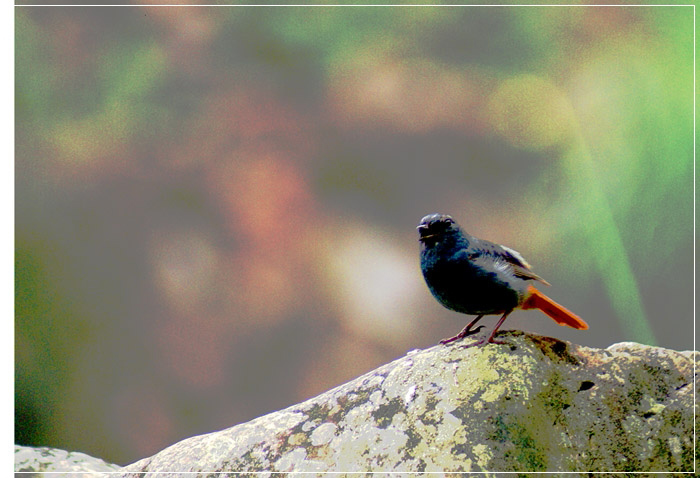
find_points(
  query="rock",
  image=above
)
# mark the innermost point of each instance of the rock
(64, 464)
(540, 404)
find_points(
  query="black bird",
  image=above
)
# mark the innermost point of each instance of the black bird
(477, 277)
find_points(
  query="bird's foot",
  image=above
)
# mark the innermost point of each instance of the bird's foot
(464, 333)
(484, 342)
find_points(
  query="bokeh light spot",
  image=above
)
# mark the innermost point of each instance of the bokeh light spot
(531, 113)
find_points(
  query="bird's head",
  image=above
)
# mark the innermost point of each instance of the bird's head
(433, 227)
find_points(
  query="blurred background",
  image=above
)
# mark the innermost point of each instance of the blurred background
(216, 207)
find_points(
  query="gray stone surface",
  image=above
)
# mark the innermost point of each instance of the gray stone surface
(538, 405)
(53, 462)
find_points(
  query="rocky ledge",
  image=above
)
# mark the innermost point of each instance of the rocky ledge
(538, 404)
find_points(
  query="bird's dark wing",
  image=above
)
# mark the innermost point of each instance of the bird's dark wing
(505, 255)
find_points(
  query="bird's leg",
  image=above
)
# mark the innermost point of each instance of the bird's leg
(490, 339)
(465, 331)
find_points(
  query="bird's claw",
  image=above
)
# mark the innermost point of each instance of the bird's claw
(475, 331)
(484, 342)
(461, 335)
(450, 340)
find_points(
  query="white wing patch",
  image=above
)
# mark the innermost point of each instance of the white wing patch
(516, 255)
(502, 266)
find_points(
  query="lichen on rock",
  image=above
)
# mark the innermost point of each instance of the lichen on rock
(539, 404)
(54, 462)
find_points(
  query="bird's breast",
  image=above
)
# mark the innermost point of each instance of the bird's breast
(465, 287)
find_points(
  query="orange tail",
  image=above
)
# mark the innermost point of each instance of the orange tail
(561, 315)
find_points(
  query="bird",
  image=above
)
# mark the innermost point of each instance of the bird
(477, 277)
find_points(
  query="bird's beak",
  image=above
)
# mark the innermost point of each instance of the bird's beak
(423, 231)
